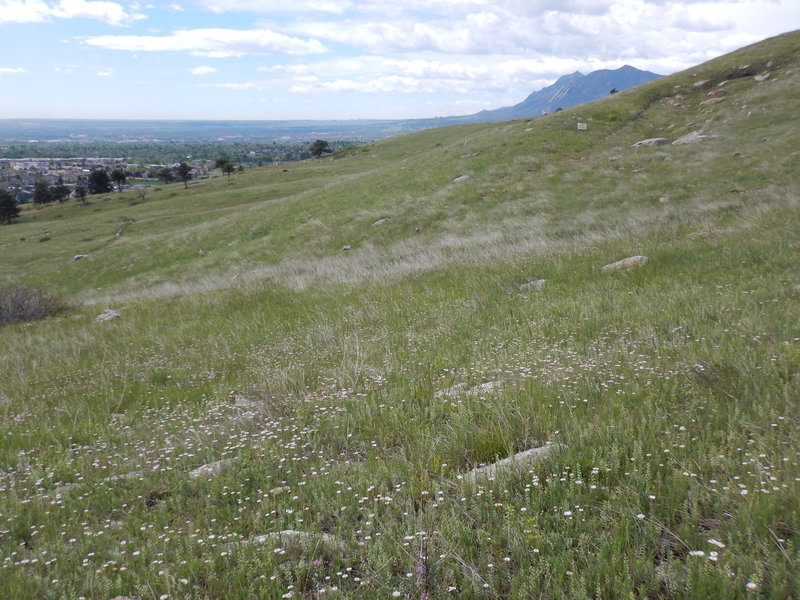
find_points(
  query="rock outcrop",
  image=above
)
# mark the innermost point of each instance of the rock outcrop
(626, 263)
(659, 141)
(521, 460)
(107, 315)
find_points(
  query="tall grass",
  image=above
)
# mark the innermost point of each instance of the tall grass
(669, 391)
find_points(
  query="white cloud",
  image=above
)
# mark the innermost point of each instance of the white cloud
(216, 43)
(202, 70)
(273, 6)
(462, 74)
(109, 72)
(110, 12)
(34, 11)
(23, 11)
(9, 70)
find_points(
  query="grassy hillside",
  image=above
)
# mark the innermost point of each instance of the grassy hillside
(346, 395)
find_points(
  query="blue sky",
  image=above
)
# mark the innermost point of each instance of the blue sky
(328, 59)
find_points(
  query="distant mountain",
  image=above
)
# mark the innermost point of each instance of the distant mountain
(569, 90)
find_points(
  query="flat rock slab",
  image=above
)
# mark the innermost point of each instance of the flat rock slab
(292, 537)
(520, 460)
(532, 286)
(463, 389)
(659, 141)
(211, 469)
(626, 263)
(107, 315)
(690, 138)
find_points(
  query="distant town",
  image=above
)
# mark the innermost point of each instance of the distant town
(20, 176)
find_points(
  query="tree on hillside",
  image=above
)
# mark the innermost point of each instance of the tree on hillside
(224, 165)
(59, 192)
(80, 193)
(9, 209)
(613, 91)
(319, 148)
(118, 176)
(166, 175)
(99, 182)
(41, 192)
(184, 173)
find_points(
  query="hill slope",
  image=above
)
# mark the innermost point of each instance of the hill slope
(337, 344)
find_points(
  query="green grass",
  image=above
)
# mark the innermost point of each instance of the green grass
(671, 389)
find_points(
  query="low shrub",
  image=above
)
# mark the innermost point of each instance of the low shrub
(25, 303)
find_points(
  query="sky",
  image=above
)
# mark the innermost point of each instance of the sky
(344, 59)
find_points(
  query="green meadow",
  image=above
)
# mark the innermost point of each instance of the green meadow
(342, 341)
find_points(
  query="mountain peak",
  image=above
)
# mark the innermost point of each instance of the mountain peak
(570, 90)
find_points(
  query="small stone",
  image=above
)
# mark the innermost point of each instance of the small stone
(626, 263)
(107, 315)
(664, 199)
(245, 402)
(659, 141)
(382, 221)
(700, 83)
(532, 286)
(64, 489)
(711, 101)
(583, 127)
(289, 537)
(461, 178)
(452, 392)
(345, 248)
(690, 138)
(211, 469)
(79, 256)
(463, 389)
(761, 77)
(520, 460)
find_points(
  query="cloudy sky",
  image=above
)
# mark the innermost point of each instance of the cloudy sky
(323, 59)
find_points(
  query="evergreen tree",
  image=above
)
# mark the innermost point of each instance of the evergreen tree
(319, 148)
(166, 175)
(184, 173)
(118, 176)
(41, 192)
(9, 209)
(99, 182)
(80, 193)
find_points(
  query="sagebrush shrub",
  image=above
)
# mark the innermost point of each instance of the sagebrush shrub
(25, 303)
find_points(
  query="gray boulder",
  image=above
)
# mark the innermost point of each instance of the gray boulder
(532, 286)
(690, 138)
(659, 141)
(107, 315)
(521, 460)
(626, 263)
(211, 469)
